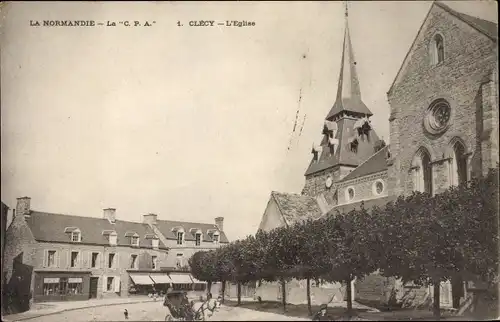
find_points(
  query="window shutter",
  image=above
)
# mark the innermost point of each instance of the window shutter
(89, 259)
(68, 261)
(117, 284)
(45, 257)
(117, 261)
(104, 283)
(58, 258)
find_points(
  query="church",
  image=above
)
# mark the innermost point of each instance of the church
(443, 131)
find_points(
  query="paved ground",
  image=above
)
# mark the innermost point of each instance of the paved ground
(154, 311)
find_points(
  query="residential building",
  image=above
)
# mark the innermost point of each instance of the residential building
(76, 258)
(443, 131)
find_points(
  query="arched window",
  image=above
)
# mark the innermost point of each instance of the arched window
(439, 43)
(459, 164)
(422, 172)
(427, 172)
(436, 49)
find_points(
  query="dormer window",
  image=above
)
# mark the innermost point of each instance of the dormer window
(437, 49)
(75, 234)
(353, 144)
(316, 151)
(180, 237)
(134, 240)
(215, 238)
(113, 237)
(155, 243)
(198, 239)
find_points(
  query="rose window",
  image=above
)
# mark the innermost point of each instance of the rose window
(438, 117)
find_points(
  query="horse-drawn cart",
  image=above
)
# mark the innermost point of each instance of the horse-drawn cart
(180, 309)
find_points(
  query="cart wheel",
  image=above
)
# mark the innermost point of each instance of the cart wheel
(169, 317)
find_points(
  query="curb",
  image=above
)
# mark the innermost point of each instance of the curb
(6, 318)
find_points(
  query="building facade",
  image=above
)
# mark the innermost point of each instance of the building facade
(77, 258)
(443, 131)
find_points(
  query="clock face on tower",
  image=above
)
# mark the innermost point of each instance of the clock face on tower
(329, 182)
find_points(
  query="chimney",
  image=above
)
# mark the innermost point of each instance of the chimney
(23, 207)
(149, 219)
(219, 221)
(110, 214)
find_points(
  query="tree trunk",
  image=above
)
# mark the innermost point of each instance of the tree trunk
(283, 294)
(239, 293)
(223, 290)
(457, 290)
(349, 297)
(209, 287)
(308, 288)
(435, 303)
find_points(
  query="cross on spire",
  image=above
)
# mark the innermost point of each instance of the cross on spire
(346, 9)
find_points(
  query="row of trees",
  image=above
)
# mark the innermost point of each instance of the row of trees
(420, 238)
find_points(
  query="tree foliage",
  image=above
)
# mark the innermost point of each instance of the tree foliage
(419, 238)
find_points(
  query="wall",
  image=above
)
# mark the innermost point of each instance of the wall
(469, 58)
(272, 217)
(102, 270)
(363, 188)
(315, 183)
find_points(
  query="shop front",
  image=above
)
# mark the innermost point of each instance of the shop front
(141, 284)
(181, 281)
(162, 281)
(61, 286)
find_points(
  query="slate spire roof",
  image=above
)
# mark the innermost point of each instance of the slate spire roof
(342, 121)
(348, 91)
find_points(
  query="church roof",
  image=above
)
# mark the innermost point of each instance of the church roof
(486, 27)
(376, 163)
(343, 155)
(348, 91)
(295, 208)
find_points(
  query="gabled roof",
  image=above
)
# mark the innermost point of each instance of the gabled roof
(166, 227)
(348, 91)
(295, 208)
(376, 163)
(368, 204)
(342, 155)
(51, 227)
(488, 28)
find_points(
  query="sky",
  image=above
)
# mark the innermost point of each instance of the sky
(190, 123)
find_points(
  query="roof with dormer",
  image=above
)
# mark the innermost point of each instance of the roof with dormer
(343, 155)
(51, 227)
(169, 227)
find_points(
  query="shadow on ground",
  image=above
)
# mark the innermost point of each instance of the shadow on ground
(340, 313)
(294, 310)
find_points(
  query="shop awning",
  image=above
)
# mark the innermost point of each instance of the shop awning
(195, 281)
(180, 278)
(141, 279)
(160, 278)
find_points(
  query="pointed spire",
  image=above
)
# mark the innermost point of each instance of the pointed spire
(348, 91)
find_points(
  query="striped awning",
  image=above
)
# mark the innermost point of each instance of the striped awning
(141, 279)
(160, 278)
(180, 278)
(195, 281)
